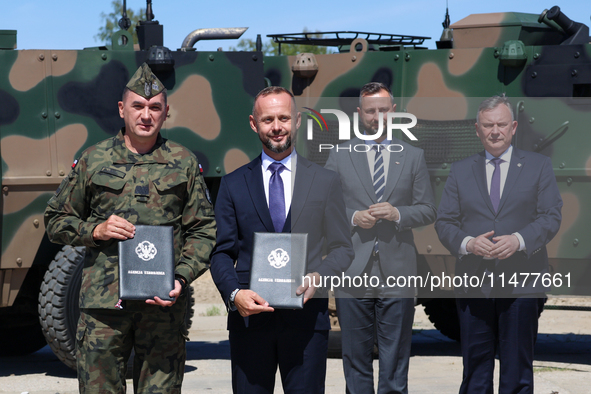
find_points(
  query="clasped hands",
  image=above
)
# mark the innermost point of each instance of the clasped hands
(501, 247)
(118, 228)
(248, 302)
(382, 210)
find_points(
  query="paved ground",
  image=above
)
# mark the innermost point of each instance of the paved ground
(563, 360)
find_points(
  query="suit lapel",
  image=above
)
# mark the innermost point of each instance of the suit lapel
(254, 183)
(517, 162)
(394, 170)
(361, 166)
(304, 178)
(479, 170)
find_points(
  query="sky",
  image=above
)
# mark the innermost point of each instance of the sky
(72, 24)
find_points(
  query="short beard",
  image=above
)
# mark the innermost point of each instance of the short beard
(370, 129)
(280, 148)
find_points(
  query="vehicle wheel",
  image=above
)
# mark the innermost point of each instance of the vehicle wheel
(58, 303)
(20, 331)
(190, 310)
(443, 314)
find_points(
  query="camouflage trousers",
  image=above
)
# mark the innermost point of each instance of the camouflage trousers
(106, 337)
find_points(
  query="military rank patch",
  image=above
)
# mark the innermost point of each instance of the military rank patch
(114, 172)
(142, 193)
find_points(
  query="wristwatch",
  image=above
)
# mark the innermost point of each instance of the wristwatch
(231, 305)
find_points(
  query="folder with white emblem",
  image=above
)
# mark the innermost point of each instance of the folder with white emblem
(146, 264)
(278, 267)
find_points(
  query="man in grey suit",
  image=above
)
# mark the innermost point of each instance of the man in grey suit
(387, 193)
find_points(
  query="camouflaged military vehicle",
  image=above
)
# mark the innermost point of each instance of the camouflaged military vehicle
(56, 103)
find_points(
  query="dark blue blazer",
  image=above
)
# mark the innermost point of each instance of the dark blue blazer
(530, 205)
(317, 208)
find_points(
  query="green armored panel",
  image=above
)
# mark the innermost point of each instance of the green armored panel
(58, 103)
(7, 39)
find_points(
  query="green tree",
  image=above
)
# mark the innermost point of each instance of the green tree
(272, 48)
(248, 45)
(112, 22)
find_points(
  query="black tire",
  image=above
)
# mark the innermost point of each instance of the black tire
(58, 303)
(190, 310)
(443, 314)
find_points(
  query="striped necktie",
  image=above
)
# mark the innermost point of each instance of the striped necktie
(379, 179)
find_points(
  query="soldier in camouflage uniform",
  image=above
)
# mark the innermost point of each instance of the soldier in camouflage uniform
(136, 177)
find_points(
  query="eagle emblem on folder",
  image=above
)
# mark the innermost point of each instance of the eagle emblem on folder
(278, 258)
(146, 251)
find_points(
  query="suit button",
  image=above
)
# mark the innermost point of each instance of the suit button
(496, 220)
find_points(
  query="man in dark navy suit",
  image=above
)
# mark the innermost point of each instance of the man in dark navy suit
(258, 198)
(498, 211)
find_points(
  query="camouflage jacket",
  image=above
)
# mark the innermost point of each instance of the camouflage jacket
(161, 187)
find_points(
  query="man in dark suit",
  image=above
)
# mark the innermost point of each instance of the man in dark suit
(387, 193)
(498, 210)
(249, 201)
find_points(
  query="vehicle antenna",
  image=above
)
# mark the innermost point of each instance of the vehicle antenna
(447, 21)
(149, 13)
(446, 40)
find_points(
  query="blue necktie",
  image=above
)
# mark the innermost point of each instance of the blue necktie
(277, 196)
(495, 183)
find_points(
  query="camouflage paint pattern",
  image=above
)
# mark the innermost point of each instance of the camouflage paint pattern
(445, 86)
(58, 103)
(163, 187)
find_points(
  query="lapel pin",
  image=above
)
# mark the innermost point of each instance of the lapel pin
(397, 162)
(518, 164)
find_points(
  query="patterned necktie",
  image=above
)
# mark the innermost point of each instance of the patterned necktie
(495, 183)
(379, 179)
(277, 196)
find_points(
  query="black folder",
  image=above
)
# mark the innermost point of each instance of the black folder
(146, 264)
(277, 268)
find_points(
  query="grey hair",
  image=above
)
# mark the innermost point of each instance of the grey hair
(492, 103)
(372, 88)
